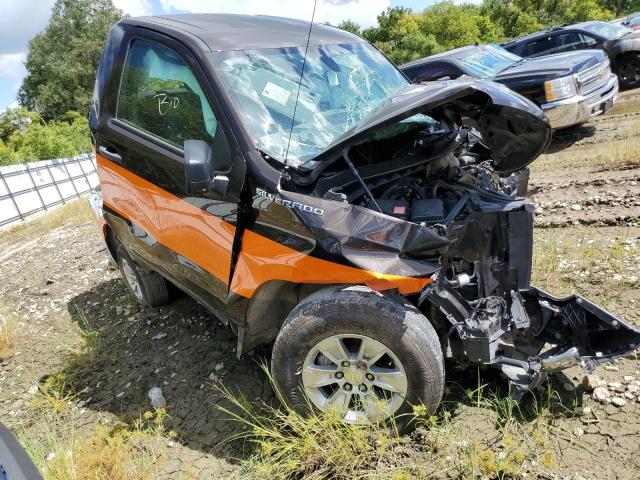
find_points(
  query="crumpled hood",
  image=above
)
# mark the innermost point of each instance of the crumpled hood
(514, 128)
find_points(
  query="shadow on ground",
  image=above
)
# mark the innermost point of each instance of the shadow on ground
(485, 387)
(565, 138)
(180, 348)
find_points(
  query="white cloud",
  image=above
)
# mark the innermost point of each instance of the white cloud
(20, 21)
(12, 65)
(135, 8)
(363, 12)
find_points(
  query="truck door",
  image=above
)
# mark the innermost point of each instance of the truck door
(161, 103)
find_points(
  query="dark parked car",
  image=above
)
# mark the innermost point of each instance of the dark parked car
(621, 44)
(570, 88)
(314, 198)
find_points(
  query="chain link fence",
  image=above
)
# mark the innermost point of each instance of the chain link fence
(29, 188)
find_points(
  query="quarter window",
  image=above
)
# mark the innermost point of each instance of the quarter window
(161, 96)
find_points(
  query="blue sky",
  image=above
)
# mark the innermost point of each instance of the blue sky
(20, 20)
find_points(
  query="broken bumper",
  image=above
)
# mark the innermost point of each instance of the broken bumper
(586, 334)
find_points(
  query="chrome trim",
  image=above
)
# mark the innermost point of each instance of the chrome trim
(580, 108)
(592, 78)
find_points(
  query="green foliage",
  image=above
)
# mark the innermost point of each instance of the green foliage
(454, 26)
(404, 35)
(586, 10)
(36, 140)
(350, 26)
(621, 7)
(400, 37)
(15, 119)
(63, 59)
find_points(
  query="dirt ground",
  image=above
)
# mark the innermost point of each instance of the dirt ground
(55, 284)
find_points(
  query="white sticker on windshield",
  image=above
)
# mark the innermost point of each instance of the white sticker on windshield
(276, 93)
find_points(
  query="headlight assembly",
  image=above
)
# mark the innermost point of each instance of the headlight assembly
(560, 88)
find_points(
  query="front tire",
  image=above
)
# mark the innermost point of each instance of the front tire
(147, 288)
(366, 355)
(629, 72)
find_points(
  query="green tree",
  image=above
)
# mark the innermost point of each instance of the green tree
(510, 18)
(399, 36)
(15, 119)
(350, 26)
(456, 26)
(621, 7)
(582, 10)
(39, 141)
(63, 59)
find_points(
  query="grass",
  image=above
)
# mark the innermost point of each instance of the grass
(62, 449)
(285, 445)
(7, 335)
(75, 212)
(600, 155)
(577, 260)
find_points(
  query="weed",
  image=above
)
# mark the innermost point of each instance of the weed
(564, 262)
(7, 335)
(75, 212)
(62, 452)
(54, 394)
(288, 445)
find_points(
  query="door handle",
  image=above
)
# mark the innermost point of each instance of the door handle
(109, 154)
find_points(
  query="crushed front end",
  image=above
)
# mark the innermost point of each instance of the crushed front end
(432, 185)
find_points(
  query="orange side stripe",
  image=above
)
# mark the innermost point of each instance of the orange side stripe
(207, 240)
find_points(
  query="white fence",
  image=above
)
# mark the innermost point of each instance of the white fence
(34, 187)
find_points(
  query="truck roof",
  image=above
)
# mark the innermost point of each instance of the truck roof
(455, 53)
(221, 32)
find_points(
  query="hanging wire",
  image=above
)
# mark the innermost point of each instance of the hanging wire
(295, 107)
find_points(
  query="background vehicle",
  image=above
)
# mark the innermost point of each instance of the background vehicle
(621, 44)
(570, 88)
(632, 21)
(368, 228)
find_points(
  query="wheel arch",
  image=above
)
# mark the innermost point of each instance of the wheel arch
(272, 303)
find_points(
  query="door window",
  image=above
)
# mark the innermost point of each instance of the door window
(538, 47)
(161, 96)
(570, 41)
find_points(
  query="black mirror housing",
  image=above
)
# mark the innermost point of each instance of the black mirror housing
(198, 166)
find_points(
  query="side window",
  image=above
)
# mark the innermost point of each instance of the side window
(541, 46)
(434, 71)
(161, 96)
(587, 40)
(569, 41)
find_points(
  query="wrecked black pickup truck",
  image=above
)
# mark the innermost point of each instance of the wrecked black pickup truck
(314, 198)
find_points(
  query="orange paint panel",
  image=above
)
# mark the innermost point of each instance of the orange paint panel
(196, 235)
(207, 241)
(262, 260)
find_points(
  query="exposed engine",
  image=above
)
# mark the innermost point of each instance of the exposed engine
(429, 196)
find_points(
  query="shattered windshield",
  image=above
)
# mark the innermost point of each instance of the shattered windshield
(341, 84)
(486, 61)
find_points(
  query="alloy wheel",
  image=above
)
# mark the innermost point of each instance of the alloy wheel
(356, 376)
(131, 279)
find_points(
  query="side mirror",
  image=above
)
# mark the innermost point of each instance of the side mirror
(198, 169)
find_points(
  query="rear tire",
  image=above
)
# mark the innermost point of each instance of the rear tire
(629, 71)
(354, 317)
(147, 288)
